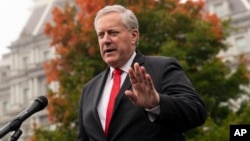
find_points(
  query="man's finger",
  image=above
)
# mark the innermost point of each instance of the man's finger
(149, 82)
(132, 76)
(138, 73)
(143, 75)
(131, 96)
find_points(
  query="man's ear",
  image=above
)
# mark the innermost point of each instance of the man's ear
(135, 35)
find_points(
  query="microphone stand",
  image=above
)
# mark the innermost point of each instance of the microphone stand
(16, 135)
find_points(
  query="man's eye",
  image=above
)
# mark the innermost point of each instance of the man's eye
(113, 33)
(100, 35)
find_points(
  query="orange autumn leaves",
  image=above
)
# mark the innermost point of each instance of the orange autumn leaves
(71, 26)
(196, 10)
(72, 29)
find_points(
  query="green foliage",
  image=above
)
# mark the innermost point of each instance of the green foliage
(56, 135)
(242, 116)
(76, 63)
(166, 29)
(212, 132)
(190, 40)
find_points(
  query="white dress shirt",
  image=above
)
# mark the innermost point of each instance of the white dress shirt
(103, 103)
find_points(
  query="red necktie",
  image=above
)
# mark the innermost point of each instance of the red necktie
(114, 91)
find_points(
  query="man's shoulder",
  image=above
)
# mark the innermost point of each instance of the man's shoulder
(143, 57)
(161, 62)
(163, 59)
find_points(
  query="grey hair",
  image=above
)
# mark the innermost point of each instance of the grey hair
(128, 17)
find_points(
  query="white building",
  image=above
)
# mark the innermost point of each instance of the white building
(22, 77)
(239, 13)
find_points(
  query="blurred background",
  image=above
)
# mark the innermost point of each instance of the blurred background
(49, 47)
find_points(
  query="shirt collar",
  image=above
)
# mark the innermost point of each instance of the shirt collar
(125, 67)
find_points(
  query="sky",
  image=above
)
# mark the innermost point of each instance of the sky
(13, 14)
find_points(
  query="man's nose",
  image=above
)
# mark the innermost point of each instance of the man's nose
(106, 38)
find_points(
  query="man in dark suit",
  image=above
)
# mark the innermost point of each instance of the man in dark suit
(155, 100)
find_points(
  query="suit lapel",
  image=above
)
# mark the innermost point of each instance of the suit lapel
(126, 85)
(100, 86)
(97, 95)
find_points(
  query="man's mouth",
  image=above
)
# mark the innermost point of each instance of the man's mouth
(109, 50)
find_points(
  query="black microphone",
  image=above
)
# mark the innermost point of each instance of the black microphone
(39, 103)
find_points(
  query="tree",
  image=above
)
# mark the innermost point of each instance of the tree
(77, 60)
(185, 31)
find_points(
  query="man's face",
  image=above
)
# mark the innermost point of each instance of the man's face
(116, 42)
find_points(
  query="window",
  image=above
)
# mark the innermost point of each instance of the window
(25, 62)
(219, 9)
(46, 55)
(3, 75)
(5, 107)
(25, 96)
(240, 43)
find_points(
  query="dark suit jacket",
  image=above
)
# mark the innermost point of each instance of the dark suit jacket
(180, 106)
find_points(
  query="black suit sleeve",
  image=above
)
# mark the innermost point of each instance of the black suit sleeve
(181, 108)
(82, 135)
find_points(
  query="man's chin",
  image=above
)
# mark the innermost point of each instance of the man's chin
(112, 62)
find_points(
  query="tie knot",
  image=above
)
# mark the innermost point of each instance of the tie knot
(117, 72)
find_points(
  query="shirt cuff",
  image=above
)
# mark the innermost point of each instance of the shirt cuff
(153, 113)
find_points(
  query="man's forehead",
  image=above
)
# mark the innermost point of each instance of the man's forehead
(111, 27)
